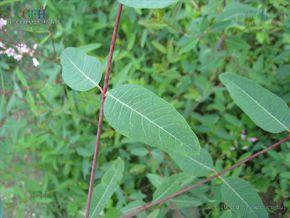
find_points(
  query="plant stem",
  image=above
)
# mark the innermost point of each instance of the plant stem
(101, 112)
(186, 189)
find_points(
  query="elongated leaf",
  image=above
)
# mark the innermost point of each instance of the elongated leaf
(80, 71)
(197, 165)
(155, 179)
(266, 109)
(236, 10)
(143, 116)
(171, 185)
(109, 184)
(90, 47)
(131, 206)
(152, 4)
(242, 198)
(185, 201)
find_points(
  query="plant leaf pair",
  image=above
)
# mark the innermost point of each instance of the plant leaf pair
(141, 115)
(132, 110)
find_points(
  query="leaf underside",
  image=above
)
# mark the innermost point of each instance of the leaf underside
(79, 70)
(242, 198)
(197, 165)
(109, 184)
(143, 116)
(172, 184)
(266, 109)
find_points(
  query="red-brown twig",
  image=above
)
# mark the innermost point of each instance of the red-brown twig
(186, 189)
(101, 112)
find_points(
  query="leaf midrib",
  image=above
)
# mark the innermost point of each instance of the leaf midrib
(235, 192)
(255, 101)
(107, 188)
(143, 116)
(83, 73)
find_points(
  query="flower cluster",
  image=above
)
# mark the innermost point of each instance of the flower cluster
(19, 50)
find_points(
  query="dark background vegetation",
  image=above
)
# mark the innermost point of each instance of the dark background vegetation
(47, 130)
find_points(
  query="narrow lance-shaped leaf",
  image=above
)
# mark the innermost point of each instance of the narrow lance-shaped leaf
(109, 184)
(172, 184)
(143, 116)
(266, 109)
(151, 4)
(155, 179)
(186, 201)
(237, 10)
(242, 198)
(79, 70)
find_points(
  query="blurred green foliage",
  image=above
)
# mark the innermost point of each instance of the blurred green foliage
(47, 130)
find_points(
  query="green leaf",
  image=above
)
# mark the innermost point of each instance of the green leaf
(109, 184)
(197, 165)
(29, 97)
(143, 116)
(131, 206)
(151, 4)
(90, 47)
(79, 70)
(155, 179)
(172, 184)
(266, 109)
(242, 198)
(236, 10)
(186, 201)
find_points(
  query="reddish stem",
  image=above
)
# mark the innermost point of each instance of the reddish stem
(101, 112)
(186, 189)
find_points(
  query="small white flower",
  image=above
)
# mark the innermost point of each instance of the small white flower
(2, 45)
(22, 48)
(2, 23)
(10, 52)
(35, 62)
(35, 46)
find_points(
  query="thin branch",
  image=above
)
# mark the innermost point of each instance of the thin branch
(101, 112)
(189, 188)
